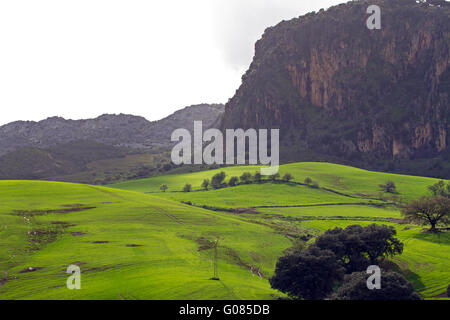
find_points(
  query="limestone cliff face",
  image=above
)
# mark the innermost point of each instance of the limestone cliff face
(330, 83)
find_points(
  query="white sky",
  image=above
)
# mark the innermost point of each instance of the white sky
(82, 58)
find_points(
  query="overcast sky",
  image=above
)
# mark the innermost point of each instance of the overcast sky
(82, 58)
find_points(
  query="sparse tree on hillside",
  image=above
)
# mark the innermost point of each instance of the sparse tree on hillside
(187, 187)
(428, 210)
(440, 189)
(246, 177)
(274, 177)
(233, 181)
(205, 184)
(217, 180)
(163, 187)
(308, 180)
(288, 177)
(389, 187)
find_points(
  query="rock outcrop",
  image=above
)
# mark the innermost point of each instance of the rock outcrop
(335, 87)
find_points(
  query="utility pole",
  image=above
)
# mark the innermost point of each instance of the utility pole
(216, 271)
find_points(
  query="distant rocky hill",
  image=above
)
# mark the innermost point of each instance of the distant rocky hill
(101, 150)
(115, 130)
(339, 91)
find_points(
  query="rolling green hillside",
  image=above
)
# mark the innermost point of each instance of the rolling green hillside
(132, 245)
(129, 246)
(344, 179)
(346, 196)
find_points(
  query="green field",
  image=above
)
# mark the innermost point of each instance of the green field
(139, 243)
(174, 261)
(344, 179)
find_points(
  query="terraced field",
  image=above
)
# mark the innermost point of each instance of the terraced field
(132, 244)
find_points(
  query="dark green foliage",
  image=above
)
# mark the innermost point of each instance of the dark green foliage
(257, 177)
(163, 187)
(246, 177)
(357, 247)
(428, 210)
(440, 189)
(217, 180)
(205, 184)
(389, 187)
(310, 274)
(288, 177)
(274, 177)
(233, 181)
(308, 180)
(187, 187)
(393, 287)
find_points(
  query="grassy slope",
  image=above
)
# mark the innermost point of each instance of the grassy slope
(266, 194)
(340, 178)
(168, 266)
(426, 260)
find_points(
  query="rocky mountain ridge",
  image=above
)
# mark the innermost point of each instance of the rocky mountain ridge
(335, 87)
(116, 130)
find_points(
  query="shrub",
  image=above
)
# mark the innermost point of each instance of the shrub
(257, 177)
(205, 184)
(163, 187)
(288, 177)
(308, 180)
(187, 187)
(389, 187)
(246, 177)
(233, 181)
(440, 189)
(274, 177)
(217, 180)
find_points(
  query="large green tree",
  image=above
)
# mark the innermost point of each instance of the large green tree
(393, 287)
(358, 247)
(310, 274)
(428, 210)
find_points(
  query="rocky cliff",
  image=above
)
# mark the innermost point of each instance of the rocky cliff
(335, 87)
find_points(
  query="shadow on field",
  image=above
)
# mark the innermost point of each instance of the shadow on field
(442, 238)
